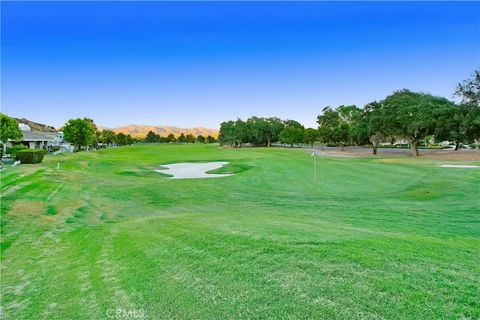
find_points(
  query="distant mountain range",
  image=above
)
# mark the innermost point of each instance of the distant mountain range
(140, 131)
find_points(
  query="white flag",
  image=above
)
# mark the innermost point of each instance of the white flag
(313, 153)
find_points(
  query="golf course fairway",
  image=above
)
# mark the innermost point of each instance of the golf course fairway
(370, 238)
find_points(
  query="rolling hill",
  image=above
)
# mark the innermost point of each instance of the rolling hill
(140, 131)
(35, 126)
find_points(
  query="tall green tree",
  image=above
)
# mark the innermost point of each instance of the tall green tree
(351, 116)
(181, 138)
(96, 133)
(371, 127)
(200, 139)
(211, 139)
(241, 133)
(107, 136)
(333, 128)
(450, 126)
(121, 139)
(292, 133)
(255, 130)
(152, 137)
(189, 138)
(270, 129)
(469, 109)
(9, 130)
(311, 136)
(79, 132)
(413, 115)
(171, 138)
(130, 139)
(227, 133)
(469, 89)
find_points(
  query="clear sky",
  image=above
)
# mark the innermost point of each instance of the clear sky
(189, 63)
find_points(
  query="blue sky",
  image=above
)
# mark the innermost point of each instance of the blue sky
(190, 63)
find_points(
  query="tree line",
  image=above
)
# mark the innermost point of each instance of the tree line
(83, 133)
(258, 131)
(404, 114)
(153, 137)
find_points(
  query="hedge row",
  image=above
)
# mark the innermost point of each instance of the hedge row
(12, 151)
(31, 155)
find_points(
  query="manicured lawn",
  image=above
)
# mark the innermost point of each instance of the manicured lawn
(372, 238)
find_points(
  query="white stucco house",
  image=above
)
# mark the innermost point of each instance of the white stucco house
(41, 140)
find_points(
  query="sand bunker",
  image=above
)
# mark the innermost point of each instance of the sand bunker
(193, 170)
(457, 166)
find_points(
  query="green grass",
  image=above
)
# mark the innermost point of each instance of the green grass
(371, 238)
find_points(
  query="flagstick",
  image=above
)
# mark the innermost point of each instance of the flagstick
(314, 166)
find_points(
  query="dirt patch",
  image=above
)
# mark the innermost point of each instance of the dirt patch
(28, 208)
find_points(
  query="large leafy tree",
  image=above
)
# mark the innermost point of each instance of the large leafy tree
(211, 139)
(311, 136)
(255, 131)
(181, 138)
(242, 133)
(79, 132)
(293, 133)
(351, 117)
(451, 125)
(121, 139)
(470, 122)
(200, 139)
(469, 110)
(189, 138)
(96, 133)
(130, 139)
(9, 130)
(371, 127)
(269, 130)
(333, 127)
(413, 115)
(274, 128)
(152, 137)
(107, 136)
(227, 133)
(234, 133)
(469, 89)
(171, 138)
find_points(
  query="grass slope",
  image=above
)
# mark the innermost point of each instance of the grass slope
(371, 238)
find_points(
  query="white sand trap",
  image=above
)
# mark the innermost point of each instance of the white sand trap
(457, 166)
(193, 170)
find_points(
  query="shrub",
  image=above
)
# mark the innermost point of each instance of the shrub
(31, 155)
(13, 150)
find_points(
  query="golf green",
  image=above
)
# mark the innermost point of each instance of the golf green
(370, 238)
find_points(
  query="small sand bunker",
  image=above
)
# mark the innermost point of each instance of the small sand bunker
(193, 170)
(457, 166)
